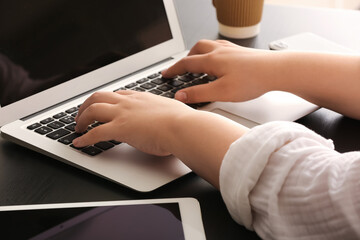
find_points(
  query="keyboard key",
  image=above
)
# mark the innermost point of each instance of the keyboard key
(165, 88)
(58, 133)
(152, 76)
(188, 85)
(47, 120)
(33, 126)
(159, 81)
(67, 120)
(104, 145)
(168, 94)
(56, 125)
(69, 138)
(71, 127)
(43, 130)
(156, 91)
(122, 88)
(139, 89)
(131, 85)
(196, 75)
(71, 110)
(78, 148)
(148, 85)
(178, 88)
(59, 115)
(92, 151)
(209, 78)
(186, 78)
(143, 80)
(175, 83)
(115, 142)
(199, 81)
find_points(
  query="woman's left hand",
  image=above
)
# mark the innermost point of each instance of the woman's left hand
(143, 120)
(159, 126)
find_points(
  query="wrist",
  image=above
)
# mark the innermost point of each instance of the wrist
(201, 139)
(275, 72)
(174, 124)
(265, 70)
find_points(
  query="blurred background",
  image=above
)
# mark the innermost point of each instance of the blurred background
(342, 4)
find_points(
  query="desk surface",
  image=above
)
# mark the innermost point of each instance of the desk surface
(27, 177)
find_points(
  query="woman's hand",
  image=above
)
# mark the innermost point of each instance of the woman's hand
(241, 72)
(159, 126)
(143, 120)
(325, 79)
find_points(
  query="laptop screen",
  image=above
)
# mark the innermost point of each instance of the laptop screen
(45, 43)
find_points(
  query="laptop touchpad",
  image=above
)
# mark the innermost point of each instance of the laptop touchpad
(238, 119)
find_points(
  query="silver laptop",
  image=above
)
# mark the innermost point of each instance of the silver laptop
(53, 55)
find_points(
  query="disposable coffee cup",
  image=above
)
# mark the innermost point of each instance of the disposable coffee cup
(239, 18)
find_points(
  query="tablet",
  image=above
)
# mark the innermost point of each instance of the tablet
(308, 41)
(177, 218)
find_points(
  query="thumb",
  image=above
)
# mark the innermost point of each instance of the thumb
(208, 92)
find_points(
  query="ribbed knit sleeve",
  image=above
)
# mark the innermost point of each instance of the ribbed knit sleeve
(286, 182)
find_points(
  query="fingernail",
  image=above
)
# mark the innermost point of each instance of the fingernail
(181, 96)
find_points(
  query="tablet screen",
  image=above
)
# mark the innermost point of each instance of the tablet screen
(144, 221)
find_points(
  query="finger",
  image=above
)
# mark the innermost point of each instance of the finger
(226, 43)
(102, 112)
(98, 97)
(222, 41)
(126, 92)
(208, 92)
(202, 47)
(194, 64)
(101, 133)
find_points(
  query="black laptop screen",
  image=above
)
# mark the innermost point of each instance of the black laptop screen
(44, 43)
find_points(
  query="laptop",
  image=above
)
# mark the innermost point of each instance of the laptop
(54, 54)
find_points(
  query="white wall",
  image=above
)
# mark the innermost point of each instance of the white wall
(348, 4)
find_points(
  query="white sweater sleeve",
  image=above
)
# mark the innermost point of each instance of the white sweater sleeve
(286, 182)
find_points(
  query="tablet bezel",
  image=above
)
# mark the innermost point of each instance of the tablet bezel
(189, 211)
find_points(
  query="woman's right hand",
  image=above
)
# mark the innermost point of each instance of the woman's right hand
(241, 72)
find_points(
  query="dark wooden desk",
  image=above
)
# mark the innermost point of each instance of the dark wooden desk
(27, 177)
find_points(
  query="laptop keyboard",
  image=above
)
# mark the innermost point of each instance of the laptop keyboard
(61, 126)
